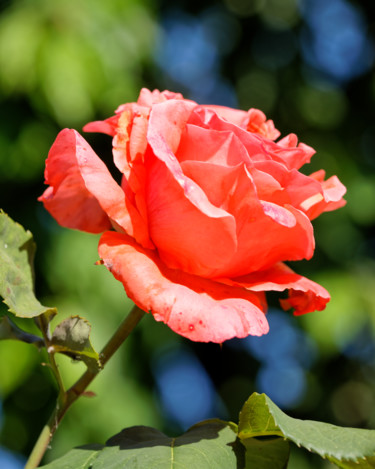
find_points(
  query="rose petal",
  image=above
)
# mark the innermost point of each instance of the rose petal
(109, 194)
(268, 240)
(305, 295)
(279, 214)
(287, 151)
(253, 121)
(148, 98)
(79, 177)
(207, 118)
(182, 221)
(218, 147)
(276, 183)
(129, 147)
(257, 122)
(67, 199)
(333, 191)
(234, 116)
(199, 309)
(168, 120)
(266, 233)
(218, 182)
(107, 126)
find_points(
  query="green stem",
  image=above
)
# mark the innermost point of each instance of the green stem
(44, 326)
(80, 386)
(56, 372)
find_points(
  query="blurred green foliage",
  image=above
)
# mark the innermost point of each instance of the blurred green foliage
(64, 63)
(74, 58)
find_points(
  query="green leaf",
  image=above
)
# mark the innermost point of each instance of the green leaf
(77, 458)
(266, 453)
(345, 447)
(72, 338)
(208, 445)
(8, 330)
(17, 251)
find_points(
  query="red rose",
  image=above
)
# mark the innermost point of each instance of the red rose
(208, 209)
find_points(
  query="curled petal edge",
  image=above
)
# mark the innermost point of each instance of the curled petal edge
(331, 198)
(199, 309)
(108, 126)
(67, 198)
(304, 295)
(83, 195)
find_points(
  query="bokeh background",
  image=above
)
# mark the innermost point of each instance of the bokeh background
(309, 65)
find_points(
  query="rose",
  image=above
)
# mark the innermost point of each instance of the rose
(209, 208)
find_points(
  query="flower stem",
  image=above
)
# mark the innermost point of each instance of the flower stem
(72, 394)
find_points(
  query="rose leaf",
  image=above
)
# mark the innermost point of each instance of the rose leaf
(208, 445)
(77, 458)
(345, 447)
(266, 453)
(17, 251)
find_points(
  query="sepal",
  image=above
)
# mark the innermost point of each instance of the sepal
(72, 338)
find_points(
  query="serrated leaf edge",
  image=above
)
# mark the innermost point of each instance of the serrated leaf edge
(299, 443)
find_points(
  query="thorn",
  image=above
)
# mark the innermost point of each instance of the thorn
(89, 394)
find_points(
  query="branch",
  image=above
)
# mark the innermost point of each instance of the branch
(70, 396)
